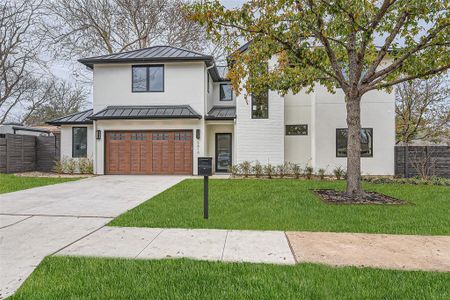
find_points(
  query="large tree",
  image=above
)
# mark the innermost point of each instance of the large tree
(19, 49)
(355, 45)
(80, 28)
(422, 110)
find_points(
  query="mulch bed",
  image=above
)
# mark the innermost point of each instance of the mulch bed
(340, 197)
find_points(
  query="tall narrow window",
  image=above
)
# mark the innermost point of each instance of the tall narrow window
(260, 106)
(226, 93)
(79, 141)
(366, 137)
(148, 78)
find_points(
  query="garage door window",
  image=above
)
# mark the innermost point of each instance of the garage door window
(79, 142)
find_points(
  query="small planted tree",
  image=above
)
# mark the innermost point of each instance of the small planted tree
(355, 45)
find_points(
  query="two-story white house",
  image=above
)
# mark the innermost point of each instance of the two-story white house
(155, 110)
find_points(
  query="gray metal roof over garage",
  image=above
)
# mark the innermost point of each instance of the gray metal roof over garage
(222, 113)
(151, 54)
(73, 119)
(147, 112)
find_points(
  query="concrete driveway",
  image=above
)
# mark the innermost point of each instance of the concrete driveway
(41, 221)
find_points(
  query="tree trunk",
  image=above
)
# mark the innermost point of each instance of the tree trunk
(354, 147)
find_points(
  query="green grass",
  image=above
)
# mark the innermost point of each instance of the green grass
(290, 205)
(12, 183)
(95, 278)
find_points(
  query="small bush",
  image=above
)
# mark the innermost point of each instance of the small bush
(60, 165)
(309, 172)
(297, 170)
(85, 166)
(280, 170)
(269, 170)
(234, 170)
(321, 173)
(71, 166)
(245, 167)
(257, 169)
(339, 172)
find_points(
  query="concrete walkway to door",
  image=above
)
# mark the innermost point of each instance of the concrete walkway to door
(38, 222)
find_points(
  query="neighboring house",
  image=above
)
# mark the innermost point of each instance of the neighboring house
(156, 110)
(18, 128)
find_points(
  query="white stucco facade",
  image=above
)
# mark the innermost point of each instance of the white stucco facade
(263, 140)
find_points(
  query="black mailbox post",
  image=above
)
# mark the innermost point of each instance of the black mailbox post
(205, 170)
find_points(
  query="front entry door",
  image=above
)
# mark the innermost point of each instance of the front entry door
(223, 152)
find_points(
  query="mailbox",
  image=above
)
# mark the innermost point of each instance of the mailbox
(205, 166)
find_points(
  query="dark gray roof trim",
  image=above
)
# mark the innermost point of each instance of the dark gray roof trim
(73, 119)
(151, 54)
(222, 113)
(147, 112)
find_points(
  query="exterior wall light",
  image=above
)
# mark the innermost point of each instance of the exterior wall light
(99, 134)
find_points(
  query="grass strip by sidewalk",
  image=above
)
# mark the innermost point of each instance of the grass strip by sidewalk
(100, 278)
(290, 205)
(11, 183)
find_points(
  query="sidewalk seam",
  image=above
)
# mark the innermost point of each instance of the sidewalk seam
(70, 244)
(17, 222)
(290, 247)
(162, 229)
(224, 245)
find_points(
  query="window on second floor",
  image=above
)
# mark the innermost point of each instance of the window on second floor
(226, 93)
(366, 137)
(260, 106)
(148, 78)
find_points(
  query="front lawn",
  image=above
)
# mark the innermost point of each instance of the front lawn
(95, 278)
(11, 183)
(290, 205)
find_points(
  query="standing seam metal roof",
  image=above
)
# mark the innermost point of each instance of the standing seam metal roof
(147, 112)
(222, 113)
(76, 118)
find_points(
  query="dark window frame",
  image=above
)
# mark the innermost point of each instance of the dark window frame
(217, 152)
(147, 81)
(362, 156)
(220, 92)
(252, 111)
(294, 134)
(73, 141)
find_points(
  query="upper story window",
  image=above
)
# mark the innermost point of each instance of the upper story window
(366, 137)
(148, 78)
(260, 106)
(226, 93)
(79, 141)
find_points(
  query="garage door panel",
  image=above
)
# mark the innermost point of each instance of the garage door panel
(149, 152)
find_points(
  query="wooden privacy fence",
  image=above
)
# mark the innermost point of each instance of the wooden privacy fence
(413, 161)
(23, 153)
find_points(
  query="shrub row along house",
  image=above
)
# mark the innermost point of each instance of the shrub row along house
(155, 110)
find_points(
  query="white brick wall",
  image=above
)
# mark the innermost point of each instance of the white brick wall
(260, 139)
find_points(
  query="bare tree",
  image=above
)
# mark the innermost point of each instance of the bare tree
(423, 110)
(19, 48)
(94, 27)
(52, 99)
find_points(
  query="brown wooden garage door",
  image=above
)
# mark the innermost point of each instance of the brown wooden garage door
(148, 152)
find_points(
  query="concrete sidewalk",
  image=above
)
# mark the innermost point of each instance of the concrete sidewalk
(203, 244)
(405, 252)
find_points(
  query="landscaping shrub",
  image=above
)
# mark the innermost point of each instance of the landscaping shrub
(296, 170)
(309, 172)
(245, 167)
(257, 169)
(269, 170)
(85, 166)
(234, 170)
(71, 166)
(339, 172)
(321, 174)
(60, 165)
